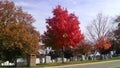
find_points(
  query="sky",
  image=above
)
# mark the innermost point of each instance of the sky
(85, 10)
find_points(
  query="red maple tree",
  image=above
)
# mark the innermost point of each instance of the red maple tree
(63, 29)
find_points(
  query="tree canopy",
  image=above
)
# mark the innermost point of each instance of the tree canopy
(62, 29)
(116, 40)
(84, 48)
(103, 44)
(17, 35)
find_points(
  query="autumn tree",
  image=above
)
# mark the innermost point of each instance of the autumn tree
(62, 29)
(102, 45)
(101, 27)
(17, 35)
(85, 48)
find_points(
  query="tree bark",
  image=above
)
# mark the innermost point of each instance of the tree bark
(62, 55)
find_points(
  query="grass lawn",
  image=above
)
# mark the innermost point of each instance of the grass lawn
(117, 67)
(75, 62)
(67, 63)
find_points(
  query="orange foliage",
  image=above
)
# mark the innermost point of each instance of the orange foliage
(103, 44)
(17, 35)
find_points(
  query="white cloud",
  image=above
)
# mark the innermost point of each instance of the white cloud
(86, 10)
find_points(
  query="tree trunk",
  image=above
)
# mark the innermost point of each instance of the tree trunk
(15, 62)
(62, 55)
(45, 58)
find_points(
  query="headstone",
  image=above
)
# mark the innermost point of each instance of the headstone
(83, 57)
(48, 59)
(21, 62)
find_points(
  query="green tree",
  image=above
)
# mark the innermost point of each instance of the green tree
(116, 41)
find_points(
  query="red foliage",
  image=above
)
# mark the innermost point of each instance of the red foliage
(65, 28)
(103, 44)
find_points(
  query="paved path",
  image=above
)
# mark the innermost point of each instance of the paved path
(106, 64)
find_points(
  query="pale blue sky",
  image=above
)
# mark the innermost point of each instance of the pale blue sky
(86, 10)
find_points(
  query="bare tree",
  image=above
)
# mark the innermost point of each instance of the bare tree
(101, 26)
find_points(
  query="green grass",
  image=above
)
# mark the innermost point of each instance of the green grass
(75, 62)
(117, 67)
(67, 63)
(115, 58)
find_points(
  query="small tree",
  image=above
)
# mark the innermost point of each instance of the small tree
(85, 48)
(103, 45)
